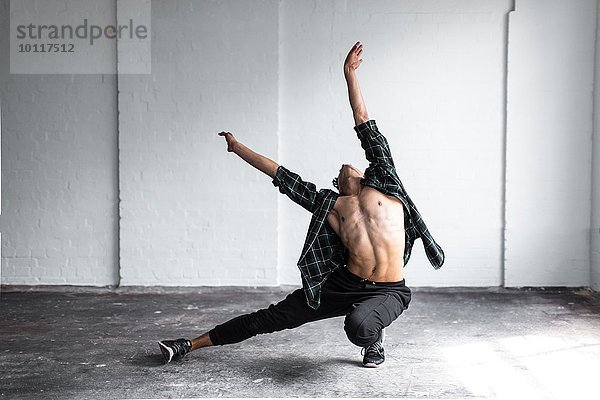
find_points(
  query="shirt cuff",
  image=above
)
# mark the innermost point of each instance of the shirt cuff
(366, 128)
(279, 176)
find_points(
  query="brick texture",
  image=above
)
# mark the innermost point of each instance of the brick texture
(124, 180)
(191, 213)
(59, 175)
(549, 131)
(595, 225)
(432, 78)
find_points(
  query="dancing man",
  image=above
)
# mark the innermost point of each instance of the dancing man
(358, 242)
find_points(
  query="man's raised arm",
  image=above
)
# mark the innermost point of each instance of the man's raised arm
(352, 62)
(289, 183)
(372, 141)
(258, 161)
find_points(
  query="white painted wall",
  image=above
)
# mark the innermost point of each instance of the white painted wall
(59, 173)
(595, 224)
(432, 78)
(549, 130)
(191, 213)
(270, 71)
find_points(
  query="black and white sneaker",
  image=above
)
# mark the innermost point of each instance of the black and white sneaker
(174, 349)
(374, 354)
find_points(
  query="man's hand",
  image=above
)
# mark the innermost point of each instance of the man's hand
(231, 140)
(353, 59)
(258, 161)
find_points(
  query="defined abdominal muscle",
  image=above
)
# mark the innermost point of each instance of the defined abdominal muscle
(372, 229)
(376, 265)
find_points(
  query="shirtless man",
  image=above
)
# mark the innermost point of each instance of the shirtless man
(358, 242)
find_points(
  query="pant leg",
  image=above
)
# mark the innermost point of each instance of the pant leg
(289, 313)
(373, 313)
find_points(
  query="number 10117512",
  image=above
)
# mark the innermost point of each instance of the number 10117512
(46, 48)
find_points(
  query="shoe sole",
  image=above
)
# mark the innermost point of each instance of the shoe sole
(371, 365)
(166, 352)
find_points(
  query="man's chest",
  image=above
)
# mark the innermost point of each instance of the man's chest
(368, 211)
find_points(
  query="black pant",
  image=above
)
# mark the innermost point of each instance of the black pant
(368, 307)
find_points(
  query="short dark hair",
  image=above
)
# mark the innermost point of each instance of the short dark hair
(335, 183)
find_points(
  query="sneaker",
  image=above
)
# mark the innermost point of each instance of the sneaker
(174, 349)
(374, 354)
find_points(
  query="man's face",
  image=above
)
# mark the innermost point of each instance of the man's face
(347, 178)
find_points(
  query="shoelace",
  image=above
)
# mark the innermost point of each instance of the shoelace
(376, 349)
(181, 346)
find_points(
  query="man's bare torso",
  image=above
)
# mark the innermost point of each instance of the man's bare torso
(371, 226)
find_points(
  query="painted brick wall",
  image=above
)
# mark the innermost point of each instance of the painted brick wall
(270, 71)
(432, 78)
(550, 69)
(595, 225)
(59, 175)
(191, 213)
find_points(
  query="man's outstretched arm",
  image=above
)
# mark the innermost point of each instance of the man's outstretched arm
(352, 62)
(289, 183)
(258, 161)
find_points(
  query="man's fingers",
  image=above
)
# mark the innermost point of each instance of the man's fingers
(355, 47)
(359, 52)
(230, 140)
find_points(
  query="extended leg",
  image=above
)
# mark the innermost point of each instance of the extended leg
(289, 313)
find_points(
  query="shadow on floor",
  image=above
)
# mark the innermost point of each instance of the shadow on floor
(291, 370)
(148, 360)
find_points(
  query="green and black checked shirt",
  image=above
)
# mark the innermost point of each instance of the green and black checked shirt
(323, 251)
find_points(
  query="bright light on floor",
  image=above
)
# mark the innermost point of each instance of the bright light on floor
(528, 367)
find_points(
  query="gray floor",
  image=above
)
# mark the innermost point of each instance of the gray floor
(451, 343)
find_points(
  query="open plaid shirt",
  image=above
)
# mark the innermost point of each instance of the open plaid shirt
(323, 251)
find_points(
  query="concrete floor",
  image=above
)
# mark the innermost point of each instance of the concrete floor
(451, 343)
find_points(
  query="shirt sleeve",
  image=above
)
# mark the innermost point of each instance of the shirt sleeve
(375, 145)
(299, 191)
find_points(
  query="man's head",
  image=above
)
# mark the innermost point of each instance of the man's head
(348, 180)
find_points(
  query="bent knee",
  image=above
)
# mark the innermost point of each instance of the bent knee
(360, 332)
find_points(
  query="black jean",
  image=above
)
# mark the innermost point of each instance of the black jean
(368, 307)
